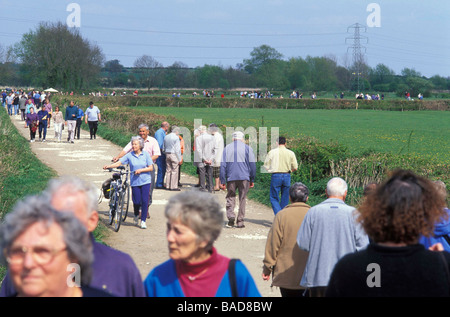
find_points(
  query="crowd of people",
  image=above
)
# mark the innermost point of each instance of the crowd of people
(37, 112)
(395, 243)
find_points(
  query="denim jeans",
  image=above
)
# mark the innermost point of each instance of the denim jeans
(279, 183)
(161, 163)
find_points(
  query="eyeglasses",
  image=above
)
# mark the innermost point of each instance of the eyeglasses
(41, 255)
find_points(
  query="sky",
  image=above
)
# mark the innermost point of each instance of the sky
(397, 33)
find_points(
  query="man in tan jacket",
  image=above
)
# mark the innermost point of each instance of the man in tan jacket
(283, 258)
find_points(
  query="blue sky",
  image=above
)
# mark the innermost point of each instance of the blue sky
(412, 33)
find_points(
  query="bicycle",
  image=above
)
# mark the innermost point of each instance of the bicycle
(119, 195)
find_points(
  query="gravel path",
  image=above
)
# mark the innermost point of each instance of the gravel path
(85, 159)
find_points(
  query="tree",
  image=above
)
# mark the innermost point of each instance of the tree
(148, 70)
(113, 66)
(259, 56)
(57, 56)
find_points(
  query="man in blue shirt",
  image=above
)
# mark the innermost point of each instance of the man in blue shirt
(71, 120)
(161, 161)
(80, 116)
(237, 171)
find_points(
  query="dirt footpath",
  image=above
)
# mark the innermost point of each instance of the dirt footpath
(85, 158)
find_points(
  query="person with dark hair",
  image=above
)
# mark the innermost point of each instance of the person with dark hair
(369, 188)
(283, 258)
(71, 121)
(92, 118)
(395, 215)
(280, 162)
(80, 115)
(161, 160)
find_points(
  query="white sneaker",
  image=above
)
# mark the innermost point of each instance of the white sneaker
(143, 225)
(136, 220)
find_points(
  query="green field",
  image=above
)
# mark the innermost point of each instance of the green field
(421, 134)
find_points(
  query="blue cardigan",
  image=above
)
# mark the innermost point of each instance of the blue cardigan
(163, 281)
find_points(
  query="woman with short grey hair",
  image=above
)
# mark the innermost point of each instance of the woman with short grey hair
(141, 164)
(138, 139)
(48, 253)
(194, 222)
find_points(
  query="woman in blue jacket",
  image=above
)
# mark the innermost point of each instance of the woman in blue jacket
(441, 232)
(195, 268)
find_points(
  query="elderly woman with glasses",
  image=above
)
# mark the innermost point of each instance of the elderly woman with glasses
(195, 268)
(141, 164)
(48, 253)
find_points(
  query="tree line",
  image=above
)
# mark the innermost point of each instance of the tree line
(56, 56)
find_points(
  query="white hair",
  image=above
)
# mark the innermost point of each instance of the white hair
(336, 187)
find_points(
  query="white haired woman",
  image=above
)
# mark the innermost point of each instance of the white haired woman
(195, 268)
(41, 246)
(141, 165)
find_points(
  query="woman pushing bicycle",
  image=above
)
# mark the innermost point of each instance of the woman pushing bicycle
(141, 165)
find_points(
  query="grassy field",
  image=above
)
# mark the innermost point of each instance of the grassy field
(421, 134)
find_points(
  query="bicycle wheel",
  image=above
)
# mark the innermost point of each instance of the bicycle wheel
(126, 200)
(119, 209)
(112, 205)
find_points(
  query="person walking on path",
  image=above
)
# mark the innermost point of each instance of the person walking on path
(49, 108)
(92, 118)
(80, 115)
(161, 161)
(71, 121)
(32, 123)
(172, 150)
(9, 103)
(152, 147)
(203, 157)
(58, 124)
(328, 232)
(237, 172)
(283, 258)
(23, 106)
(218, 151)
(43, 124)
(141, 165)
(280, 162)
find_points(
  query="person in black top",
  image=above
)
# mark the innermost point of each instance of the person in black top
(395, 215)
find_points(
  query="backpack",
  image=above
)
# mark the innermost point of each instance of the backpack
(106, 188)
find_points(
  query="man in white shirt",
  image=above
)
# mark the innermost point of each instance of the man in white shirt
(218, 150)
(203, 158)
(92, 118)
(172, 149)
